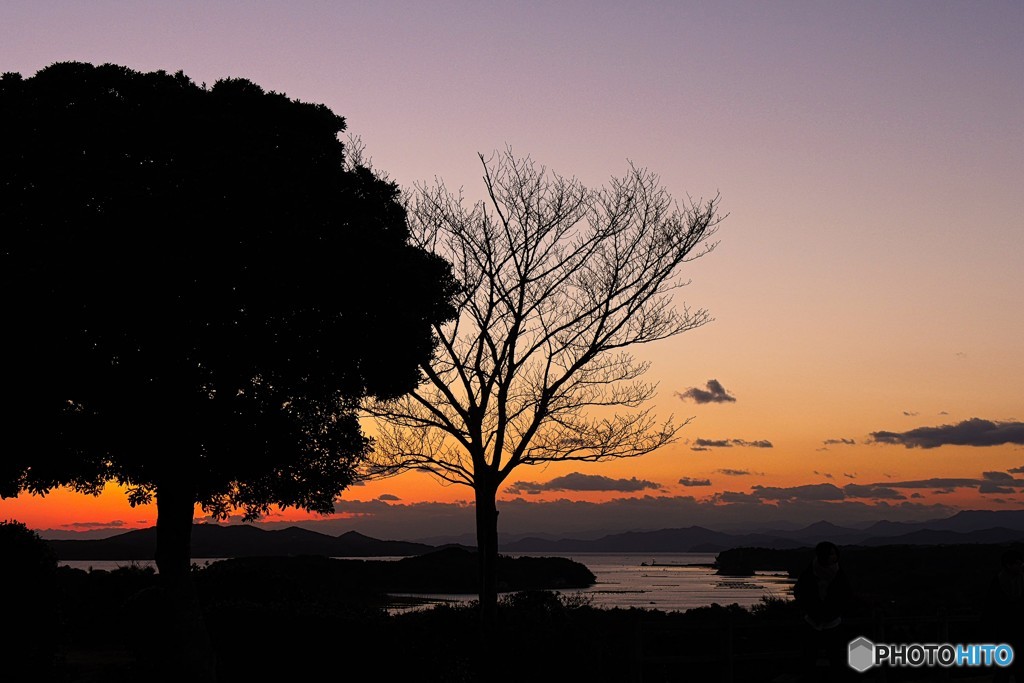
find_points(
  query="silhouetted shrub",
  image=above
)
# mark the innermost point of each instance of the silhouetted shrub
(27, 593)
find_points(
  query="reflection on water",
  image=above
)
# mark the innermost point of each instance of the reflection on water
(112, 565)
(668, 582)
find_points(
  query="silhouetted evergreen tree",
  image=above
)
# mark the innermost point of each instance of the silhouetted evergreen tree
(198, 291)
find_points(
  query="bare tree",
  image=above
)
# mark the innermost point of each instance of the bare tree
(558, 282)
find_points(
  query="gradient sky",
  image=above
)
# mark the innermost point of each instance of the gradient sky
(869, 279)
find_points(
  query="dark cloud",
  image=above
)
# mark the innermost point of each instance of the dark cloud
(577, 481)
(387, 496)
(704, 444)
(736, 497)
(915, 494)
(827, 475)
(849, 475)
(715, 393)
(234, 519)
(699, 448)
(734, 473)
(115, 524)
(1016, 470)
(804, 492)
(943, 412)
(943, 492)
(872, 491)
(973, 432)
(839, 442)
(713, 443)
(935, 483)
(994, 482)
(910, 413)
(687, 481)
(763, 443)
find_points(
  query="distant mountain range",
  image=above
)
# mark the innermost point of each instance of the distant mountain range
(968, 526)
(212, 540)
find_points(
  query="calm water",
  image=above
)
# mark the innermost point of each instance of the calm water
(665, 581)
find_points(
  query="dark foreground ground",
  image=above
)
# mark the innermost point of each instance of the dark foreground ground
(298, 619)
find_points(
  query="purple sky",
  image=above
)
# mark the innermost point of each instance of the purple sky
(870, 277)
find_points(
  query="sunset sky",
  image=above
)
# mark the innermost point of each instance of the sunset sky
(868, 288)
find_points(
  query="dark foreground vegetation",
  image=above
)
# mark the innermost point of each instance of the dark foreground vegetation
(301, 618)
(899, 579)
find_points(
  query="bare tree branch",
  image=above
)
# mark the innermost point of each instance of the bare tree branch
(558, 282)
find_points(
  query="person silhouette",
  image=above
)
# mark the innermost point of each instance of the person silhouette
(823, 594)
(1006, 613)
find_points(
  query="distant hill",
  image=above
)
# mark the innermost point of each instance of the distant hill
(212, 540)
(943, 537)
(691, 539)
(969, 526)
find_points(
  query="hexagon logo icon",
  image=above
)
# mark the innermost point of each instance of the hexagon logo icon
(861, 654)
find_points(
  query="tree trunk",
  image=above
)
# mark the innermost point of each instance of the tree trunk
(487, 550)
(174, 505)
(183, 650)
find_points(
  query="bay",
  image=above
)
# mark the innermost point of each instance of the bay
(674, 582)
(670, 582)
(662, 581)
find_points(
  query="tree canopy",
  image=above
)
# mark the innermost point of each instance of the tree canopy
(197, 289)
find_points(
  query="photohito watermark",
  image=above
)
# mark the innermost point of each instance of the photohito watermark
(863, 654)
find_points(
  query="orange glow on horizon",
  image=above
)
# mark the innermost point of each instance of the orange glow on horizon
(67, 510)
